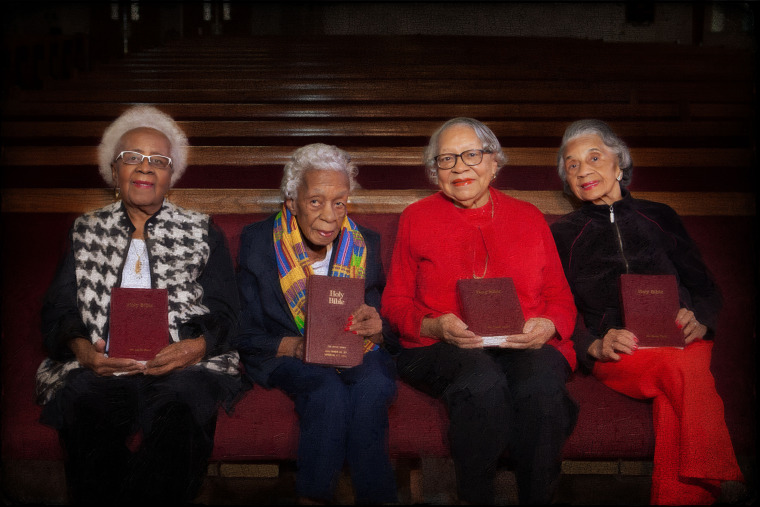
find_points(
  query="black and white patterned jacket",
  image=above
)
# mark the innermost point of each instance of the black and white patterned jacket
(187, 256)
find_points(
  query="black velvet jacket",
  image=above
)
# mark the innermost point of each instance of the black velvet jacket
(644, 238)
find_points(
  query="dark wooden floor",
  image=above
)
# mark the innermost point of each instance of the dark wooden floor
(574, 489)
(438, 486)
(589, 483)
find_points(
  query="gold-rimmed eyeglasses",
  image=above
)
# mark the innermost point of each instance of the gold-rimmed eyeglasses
(135, 158)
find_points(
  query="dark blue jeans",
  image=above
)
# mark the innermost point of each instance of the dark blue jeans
(343, 419)
(498, 400)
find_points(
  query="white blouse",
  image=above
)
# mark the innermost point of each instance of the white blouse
(136, 273)
(321, 267)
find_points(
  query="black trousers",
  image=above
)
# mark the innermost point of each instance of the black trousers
(498, 400)
(95, 416)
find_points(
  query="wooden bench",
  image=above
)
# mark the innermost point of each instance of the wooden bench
(388, 129)
(371, 90)
(614, 433)
(687, 112)
(400, 57)
(26, 110)
(383, 167)
(33, 60)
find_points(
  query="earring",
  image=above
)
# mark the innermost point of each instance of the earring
(116, 193)
(619, 177)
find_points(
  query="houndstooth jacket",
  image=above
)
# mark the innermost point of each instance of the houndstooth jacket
(179, 244)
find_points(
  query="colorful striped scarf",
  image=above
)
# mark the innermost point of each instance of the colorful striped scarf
(294, 265)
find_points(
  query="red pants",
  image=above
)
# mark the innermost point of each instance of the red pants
(693, 452)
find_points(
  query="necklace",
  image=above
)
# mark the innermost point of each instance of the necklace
(138, 264)
(485, 245)
(485, 269)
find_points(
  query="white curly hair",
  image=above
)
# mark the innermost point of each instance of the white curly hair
(137, 117)
(322, 157)
(485, 135)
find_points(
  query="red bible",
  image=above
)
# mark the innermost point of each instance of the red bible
(650, 306)
(139, 323)
(330, 301)
(490, 308)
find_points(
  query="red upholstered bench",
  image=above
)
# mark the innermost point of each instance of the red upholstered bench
(263, 426)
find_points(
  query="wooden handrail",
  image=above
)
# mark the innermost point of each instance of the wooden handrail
(246, 201)
(108, 111)
(389, 129)
(65, 156)
(379, 91)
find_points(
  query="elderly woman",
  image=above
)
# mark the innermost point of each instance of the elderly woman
(97, 402)
(612, 234)
(511, 397)
(343, 412)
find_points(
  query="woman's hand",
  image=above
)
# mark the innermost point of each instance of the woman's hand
(176, 356)
(616, 340)
(291, 346)
(692, 329)
(93, 356)
(451, 329)
(536, 332)
(366, 322)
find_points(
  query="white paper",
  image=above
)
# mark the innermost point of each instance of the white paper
(494, 341)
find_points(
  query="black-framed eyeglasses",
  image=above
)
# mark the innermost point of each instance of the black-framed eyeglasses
(135, 158)
(469, 157)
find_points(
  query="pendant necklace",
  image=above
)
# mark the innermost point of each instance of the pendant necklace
(480, 230)
(138, 264)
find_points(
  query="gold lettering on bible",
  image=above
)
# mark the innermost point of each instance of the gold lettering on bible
(647, 292)
(336, 351)
(335, 298)
(139, 305)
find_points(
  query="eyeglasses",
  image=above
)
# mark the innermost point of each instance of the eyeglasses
(135, 158)
(469, 157)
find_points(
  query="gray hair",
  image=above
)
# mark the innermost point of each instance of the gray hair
(485, 135)
(142, 117)
(610, 140)
(320, 157)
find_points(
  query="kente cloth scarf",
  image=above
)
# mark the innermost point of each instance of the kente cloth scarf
(294, 265)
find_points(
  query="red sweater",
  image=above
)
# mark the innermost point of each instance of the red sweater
(438, 243)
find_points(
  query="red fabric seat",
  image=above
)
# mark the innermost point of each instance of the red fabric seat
(264, 426)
